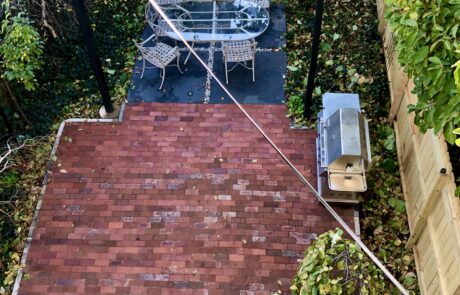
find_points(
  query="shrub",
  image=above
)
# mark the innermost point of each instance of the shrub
(333, 265)
(20, 50)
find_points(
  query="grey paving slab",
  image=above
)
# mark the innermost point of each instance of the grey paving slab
(267, 88)
(188, 87)
(274, 37)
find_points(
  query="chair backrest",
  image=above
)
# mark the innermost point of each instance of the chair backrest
(262, 3)
(152, 17)
(149, 55)
(168, 2)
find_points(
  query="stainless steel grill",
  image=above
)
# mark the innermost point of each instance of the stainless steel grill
(343, 147)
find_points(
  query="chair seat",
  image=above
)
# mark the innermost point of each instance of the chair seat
(238, 51)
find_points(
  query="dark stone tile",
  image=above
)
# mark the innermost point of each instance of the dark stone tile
(273, 37)
(268, 87)
(184, 88)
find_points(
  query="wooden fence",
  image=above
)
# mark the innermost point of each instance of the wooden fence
(428, 184)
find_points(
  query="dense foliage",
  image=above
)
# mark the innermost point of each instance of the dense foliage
(351, 60)
(19, 191)
(63, 87)
(427, 41)
(21, 50)
(333, 265)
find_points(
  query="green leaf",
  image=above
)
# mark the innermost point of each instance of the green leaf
(397, 204)
(421, 54)
(410, 22)
(435, 60)
(389, 142)
(454, 30)
(292, 68)
(457, 142)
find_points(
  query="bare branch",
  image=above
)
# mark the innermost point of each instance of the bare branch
(45, 22)
(7, 152)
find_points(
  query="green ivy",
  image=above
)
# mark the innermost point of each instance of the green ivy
(21, 50)
(19, 191)
(427, 41)
(333, 265)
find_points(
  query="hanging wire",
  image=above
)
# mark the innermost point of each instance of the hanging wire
(281, 154)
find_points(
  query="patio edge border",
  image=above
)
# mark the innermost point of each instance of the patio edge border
(28, 240)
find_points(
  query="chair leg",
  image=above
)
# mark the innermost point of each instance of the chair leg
(162, 78)
(178, 65)
(189, 53)
(254, 69)
(226, 73)
(143, 68)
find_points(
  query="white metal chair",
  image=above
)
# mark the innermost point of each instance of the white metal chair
(239, 52)
(160, 55)
(152, 16)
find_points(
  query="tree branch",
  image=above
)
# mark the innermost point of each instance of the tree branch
(45, 22)
(10, 149)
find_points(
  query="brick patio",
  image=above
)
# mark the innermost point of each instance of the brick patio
(176, 199)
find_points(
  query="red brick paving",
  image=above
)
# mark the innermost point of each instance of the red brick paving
(177, 199)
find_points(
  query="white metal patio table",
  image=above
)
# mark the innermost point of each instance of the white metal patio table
(216, 21)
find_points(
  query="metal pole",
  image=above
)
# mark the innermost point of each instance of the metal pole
(307, 99)
(83, 19)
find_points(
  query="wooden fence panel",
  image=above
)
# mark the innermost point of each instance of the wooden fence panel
(428, 184)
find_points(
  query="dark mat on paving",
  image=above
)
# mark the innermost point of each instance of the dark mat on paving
(190, 87)
(267, 88)
(187, 87)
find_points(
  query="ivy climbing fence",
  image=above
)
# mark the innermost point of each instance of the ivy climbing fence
(428, 183)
